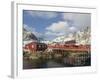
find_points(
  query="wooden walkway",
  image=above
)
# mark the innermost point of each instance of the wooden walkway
(82, 48)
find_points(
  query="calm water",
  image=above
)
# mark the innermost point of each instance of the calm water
(30, 64)
(56, 62)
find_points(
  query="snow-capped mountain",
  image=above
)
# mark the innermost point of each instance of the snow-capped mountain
(81, 37)
(59, 39)
(46, 42)
(64, 38)
(28, 36)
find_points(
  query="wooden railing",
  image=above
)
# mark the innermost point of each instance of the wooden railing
(71, 47)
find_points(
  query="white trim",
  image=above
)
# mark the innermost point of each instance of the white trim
(17, 70)
(14, 55)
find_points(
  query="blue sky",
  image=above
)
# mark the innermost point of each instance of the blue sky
(50, 25)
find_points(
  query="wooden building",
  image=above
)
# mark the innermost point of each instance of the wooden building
(35, 46)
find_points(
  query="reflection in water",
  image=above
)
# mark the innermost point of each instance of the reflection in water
(57, 60)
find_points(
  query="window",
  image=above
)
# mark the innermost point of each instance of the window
(26, 46)
(32, 46)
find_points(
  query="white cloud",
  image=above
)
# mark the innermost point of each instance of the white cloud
(79, 20)
(32, 29)
(43, 14)
(54, 33)
(60, 26)
(57, 29)
(72, 29)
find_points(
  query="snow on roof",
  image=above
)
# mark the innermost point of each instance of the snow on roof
(27, 42)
